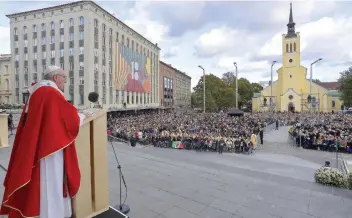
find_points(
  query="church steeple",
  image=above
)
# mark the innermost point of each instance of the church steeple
(291, 33)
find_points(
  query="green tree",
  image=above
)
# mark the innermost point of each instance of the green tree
(229, 78)
(316, 81)
(346, 86)
(245, 91)
(256, 87)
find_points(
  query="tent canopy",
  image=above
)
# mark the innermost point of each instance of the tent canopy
(235, 112)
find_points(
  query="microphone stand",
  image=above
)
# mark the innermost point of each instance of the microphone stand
(123, 208)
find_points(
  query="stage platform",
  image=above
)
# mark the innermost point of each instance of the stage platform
(111, 213)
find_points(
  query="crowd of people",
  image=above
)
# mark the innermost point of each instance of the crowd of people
(202, 132)
(327, 132)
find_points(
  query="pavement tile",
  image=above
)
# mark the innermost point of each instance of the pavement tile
(226, 206)
(176, 212)
(211, 212)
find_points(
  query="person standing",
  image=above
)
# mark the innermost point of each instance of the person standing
(43, 173)
(261, 134)
(277, 124)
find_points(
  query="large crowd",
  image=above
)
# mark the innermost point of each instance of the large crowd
(209, 131)
(327, 132)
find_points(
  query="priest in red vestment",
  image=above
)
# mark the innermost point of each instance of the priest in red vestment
(43, 172)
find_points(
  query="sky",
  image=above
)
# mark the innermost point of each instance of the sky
(214, 34)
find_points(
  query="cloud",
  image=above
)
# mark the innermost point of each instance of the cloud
(173, 51)
(5, 44)
(139, 19)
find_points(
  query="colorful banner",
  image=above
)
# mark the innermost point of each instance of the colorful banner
(133, 70)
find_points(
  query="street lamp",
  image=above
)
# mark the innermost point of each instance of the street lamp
(236, 94)
(203, 87)
(271, 85)
(311, 78)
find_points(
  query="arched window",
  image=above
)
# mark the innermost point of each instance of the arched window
(24, 30)
(43, 26)
(72, 22)
(6, 84)
(52, 25)
(290, 47)
(103, 27)
(95, 23)
(61, 24)
(286, 48)
(294, 47)
(15, 32)
(333, 104)
(81, 20)
(34, 28)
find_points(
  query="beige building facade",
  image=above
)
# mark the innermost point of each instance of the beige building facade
(5, 79)
(99, 53)
(182, 89)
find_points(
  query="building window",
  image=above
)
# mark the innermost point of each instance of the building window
(61, 24)
(72, 36)
(34, 28)
(286, 48)
(333, 104)
(71, 22)
(15, 32)
(43, 26)
(6, 84)
(103, 27)
(95, 23)
(81, 65)
(25, 43)
(294, 47)
(290, 47)
(71, 65)
(44, 54)
(35, 42)
(62, 38)
(44, 68)
(81, 35)
(26, 57)
(81, 98)
(71, 51)
(43, 41)
(110, 31)
(81, 80)
(52, 25)
(35, 55)
(81, 20)
(52, 39)
(24, 30)
(52, 54)
(61, 52)
(81, 50)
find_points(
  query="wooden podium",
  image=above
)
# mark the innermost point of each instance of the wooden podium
(4, 131)
(92, 198)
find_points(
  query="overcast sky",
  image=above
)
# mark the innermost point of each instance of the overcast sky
(216, 34)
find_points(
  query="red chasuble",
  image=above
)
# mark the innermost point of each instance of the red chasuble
(51, 124)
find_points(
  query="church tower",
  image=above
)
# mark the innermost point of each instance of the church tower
(291, 72)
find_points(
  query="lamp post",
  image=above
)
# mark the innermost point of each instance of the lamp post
(271, 85)
(203, 87)
(310, 82)
(236, 94)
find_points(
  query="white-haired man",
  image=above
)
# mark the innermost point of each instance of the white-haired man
(43, 172)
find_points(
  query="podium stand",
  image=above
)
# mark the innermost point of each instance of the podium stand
(91, 144)
(92, 199)
(4, 132)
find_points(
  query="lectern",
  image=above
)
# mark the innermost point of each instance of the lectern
(91, 144)
(4, 132)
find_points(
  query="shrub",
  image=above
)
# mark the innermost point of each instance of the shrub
(330, 176)
(349, 181)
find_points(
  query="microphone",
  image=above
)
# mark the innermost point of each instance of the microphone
(93, 97)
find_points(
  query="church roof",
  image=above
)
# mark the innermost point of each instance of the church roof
(330, 85)
(334, 93)
(256, 95)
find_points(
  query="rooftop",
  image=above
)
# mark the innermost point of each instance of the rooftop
(330, 85)
(75, 4)
(169, 65)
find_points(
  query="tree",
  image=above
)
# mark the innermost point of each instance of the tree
(346, 86)
(256, 87)
(316, 81)
(245, 90)
(229, 78)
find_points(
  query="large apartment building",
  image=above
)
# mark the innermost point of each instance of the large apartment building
(175, 87)
(5, 79)
(98, 51)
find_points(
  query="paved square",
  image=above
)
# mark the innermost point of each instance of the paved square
(169, 183)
